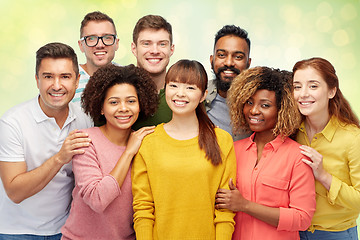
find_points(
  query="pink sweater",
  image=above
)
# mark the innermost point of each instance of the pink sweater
(100, 209)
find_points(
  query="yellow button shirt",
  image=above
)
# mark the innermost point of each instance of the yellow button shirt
(339, 144)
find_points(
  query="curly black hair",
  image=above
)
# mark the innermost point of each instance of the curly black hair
(92, 99)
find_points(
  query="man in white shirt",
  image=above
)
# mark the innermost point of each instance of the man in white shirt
(37, 142)
(99, 42)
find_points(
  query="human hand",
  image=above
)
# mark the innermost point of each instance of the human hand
(136, 138)
(316, 165)
(230, 199)
(75, 140)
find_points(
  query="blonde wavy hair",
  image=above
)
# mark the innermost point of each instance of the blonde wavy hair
(248, 82)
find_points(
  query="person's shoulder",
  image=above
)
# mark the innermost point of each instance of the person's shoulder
(92, 131)
(242, 143)
(81, 117)
(19, 111)
(212, 91)
(158, 132)
(349, 129)
(223, 137)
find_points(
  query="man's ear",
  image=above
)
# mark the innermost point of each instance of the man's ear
(172, 49)
(77, 81)
(81, 46)
(249, 63)
(133, 49)
(37, 80)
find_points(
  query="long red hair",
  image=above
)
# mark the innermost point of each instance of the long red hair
(338, 105)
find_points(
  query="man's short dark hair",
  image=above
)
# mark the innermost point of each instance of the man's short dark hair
(234, 31)
(97, 17)
(151, 22)
(56, 50)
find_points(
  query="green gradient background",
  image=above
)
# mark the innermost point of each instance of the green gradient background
(282, 32)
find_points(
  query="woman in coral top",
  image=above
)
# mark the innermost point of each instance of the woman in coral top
(180, 166)
(330, 134)
(275, 193)
(102, 200)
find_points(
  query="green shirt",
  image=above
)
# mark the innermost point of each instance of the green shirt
(162, 115)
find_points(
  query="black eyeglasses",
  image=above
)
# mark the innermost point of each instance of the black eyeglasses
(92, 41)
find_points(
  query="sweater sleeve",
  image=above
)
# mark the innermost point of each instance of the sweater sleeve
(97, 190)
(143, 202)
(224, 219)
(340, 192)
(302, 200)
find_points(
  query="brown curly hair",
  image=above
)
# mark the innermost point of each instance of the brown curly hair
(92, 99)
(248, 82)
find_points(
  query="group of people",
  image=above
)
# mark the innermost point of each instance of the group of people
(138, 152)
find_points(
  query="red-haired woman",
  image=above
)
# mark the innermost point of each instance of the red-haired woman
(330, 135)
(179, 167)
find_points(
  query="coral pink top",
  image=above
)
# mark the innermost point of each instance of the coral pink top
(279, 180)
(100, 209)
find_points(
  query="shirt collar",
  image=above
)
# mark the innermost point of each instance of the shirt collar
(330, 129)
(40, 116)
(38, 113)
(328, 132)
(275, 144)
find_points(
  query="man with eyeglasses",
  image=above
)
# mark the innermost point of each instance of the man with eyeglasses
(98, 40)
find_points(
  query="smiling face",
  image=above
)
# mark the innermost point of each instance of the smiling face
(100, 54)
(121, 107)
(312, 93)
(231, 56)
(183, 98)
(153, 50)
(57, 82)
(260, 112)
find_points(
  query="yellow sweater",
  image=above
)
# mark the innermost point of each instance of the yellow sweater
(174, 188)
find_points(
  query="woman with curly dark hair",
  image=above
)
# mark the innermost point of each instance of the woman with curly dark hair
(275, 193)
(102, 199)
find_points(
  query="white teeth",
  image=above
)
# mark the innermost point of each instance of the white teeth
(56, 94)
(255, 120)
(154, 60)
(123, 118)
(180, 103)
(100, 53)
(228, 72)
(305, 103)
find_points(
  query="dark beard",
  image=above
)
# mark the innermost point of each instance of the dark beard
(221, 84)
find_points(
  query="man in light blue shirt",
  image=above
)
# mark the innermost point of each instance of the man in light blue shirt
(231, 56)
